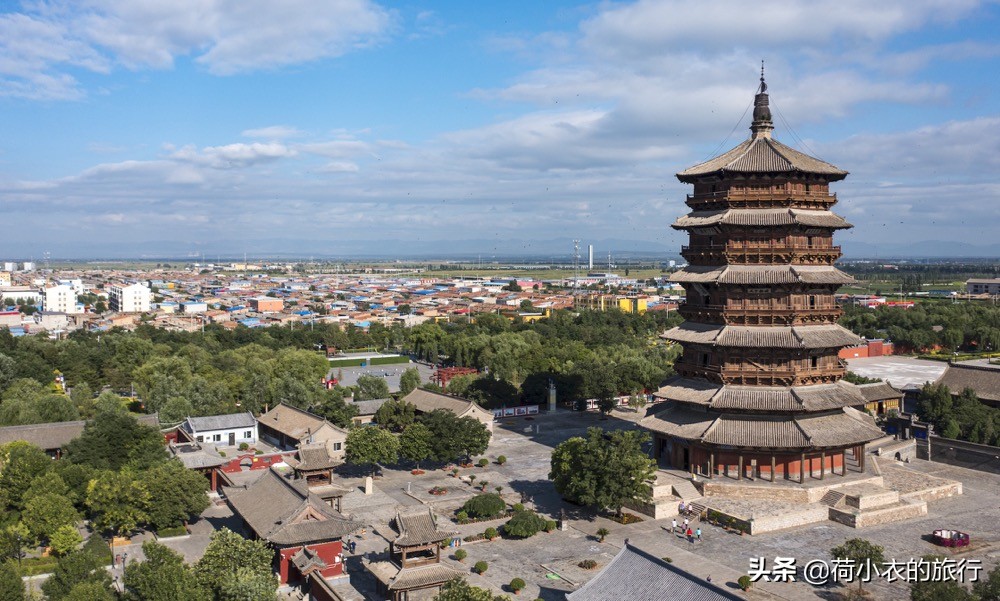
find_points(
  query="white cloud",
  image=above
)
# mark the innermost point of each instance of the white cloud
(38, 44)
(273, 132)
(234, 156)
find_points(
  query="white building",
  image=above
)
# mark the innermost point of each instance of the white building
(134, 298)
(9, 266)
(28, 266)
(13, 293)
(227, 430)
(61, 298)
(194, 307)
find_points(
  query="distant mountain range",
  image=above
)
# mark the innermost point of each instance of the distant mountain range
(469, 249)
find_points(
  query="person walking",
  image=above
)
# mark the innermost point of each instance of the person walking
(690, 536)
(673, 527)
(697, 533)
(686, 524)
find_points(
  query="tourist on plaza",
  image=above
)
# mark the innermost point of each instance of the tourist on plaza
(697, 533)
(673, 527)
(690, 536)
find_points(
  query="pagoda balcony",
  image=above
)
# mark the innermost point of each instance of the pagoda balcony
(780, 253)
(760, 316)
(755, 376)
(770, 199)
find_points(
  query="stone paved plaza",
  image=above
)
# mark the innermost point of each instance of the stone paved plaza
(528, 443)
(548, 562)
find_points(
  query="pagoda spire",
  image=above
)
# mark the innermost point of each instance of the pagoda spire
(762, 124)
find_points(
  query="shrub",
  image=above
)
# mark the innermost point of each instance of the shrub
(588, 564)
(484, 462)
(744, 582)
(461, 554)
(517, 585)
(222, 453)
(518, 507)
(491, 532)
(502, 459)
(462, 516)
(244, 446)
(474, 537)
(667, 559)
(484, 506)
(550, 525)
(524, 524)
(258, 452)
(472, 479)
(499, 489)
(602, 533)
(481, 567)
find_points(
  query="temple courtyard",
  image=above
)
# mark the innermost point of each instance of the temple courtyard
(548, 562)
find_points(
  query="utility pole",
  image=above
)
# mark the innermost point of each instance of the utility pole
(576, 267)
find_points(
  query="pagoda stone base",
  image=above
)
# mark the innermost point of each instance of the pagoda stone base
(887, 491)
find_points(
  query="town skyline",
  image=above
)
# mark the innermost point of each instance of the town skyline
(364, 129)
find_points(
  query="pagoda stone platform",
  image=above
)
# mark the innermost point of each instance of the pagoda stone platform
(887, 491)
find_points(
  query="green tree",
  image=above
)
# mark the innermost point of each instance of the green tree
(90, 591)
(11, 585)
(45, 513)
(371, 446)
(395, 416)
(415, 443)
(83, 399)
(603, 470)
(988, 588)
(8, 371)
(65, 540)
(249, 586)
(524, 524)
(117, 502)
(459, 589)
(79, 567)
(409, 381)
(473, 437)
(20, 463)
(334, 408)
(230, 558)
(13, 540)
(371, 387)
(111, 440)
(178, 494)
(861, 552)
(163, 576)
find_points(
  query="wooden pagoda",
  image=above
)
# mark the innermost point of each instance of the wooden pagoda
(759, 391)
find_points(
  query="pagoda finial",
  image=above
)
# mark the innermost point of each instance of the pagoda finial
(762, 124)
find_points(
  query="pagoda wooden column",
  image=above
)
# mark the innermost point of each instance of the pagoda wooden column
(711, 465)
(739, 462)
(822, 464)
(772, 467)
(802, 467)
(861, 453)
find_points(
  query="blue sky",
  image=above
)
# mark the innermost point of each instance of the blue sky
(144, 127)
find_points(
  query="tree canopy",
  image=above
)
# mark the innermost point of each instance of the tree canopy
(162, 576)
(371, 446)
(232, 563)
(603, 470)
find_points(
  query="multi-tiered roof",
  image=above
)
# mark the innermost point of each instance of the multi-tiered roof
(760, 370)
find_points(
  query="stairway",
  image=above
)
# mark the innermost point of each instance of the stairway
(695, 510)
(685, 490)
(832, 498)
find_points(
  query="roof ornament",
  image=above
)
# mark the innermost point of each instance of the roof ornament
(762, 124)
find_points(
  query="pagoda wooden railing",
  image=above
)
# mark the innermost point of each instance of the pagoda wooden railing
(717, 254)
(761, 377)
(760, 315)
(761, 199)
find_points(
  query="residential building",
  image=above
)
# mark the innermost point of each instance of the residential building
(4, 278)
(426, 401)
(131, 298)
(60, 298)
(880, 398)
(229, 430)
(288, 427)
(28, 294)
(194, 307)
(983, 286)
(266, 304)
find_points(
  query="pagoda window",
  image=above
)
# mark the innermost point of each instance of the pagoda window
(704, 359)
(812, 302)
(814, 362)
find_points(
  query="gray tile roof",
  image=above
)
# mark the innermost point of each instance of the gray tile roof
(795, 337)
(284, 512)
(397, 579)
(880, 391)
(762, 274)
(980, 376)
(419, 528)
(819, 397)
(56, 435)
(762, 155)
(640, 576)
(230, 421)
(761, 217)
